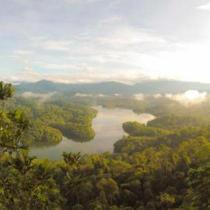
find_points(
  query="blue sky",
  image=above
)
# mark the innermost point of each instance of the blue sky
(97, 40)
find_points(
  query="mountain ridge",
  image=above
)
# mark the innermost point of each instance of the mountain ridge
(113, 87)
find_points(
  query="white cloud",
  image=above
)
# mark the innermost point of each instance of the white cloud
(81, 1)
(22, 52)
(108, 56)
(204, 6)
(122, 53)
(123, 36)
(112, 20)
(189, 61)
(56, 45)
(55, 66)
(111, 43)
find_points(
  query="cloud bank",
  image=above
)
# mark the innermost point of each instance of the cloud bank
(96, 40)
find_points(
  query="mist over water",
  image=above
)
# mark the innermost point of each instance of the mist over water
(40, 96)
(188, 98)
(108, 129)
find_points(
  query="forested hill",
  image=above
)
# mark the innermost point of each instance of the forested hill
(147, 86)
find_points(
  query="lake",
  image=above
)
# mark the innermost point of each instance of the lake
(108, 129)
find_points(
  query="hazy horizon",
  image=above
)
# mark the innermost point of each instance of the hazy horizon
(130, 83)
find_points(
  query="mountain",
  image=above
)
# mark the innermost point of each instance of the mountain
(149, 86)
(44, 86)
(169, 86)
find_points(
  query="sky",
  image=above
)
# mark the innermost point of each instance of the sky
(104, 40)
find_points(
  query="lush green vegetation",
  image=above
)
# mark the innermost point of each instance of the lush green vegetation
(50, 121)
(137, 129)
(175, 122)
(40, 134)
(158, 168)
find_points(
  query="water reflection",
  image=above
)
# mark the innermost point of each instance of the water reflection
(108, 129)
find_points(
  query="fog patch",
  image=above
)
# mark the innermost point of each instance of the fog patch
(117, 94)
(158, 95)
(89, 95)
(83, 95)
(41, 96)
(190, 97)
(146, 117)
(139, 97)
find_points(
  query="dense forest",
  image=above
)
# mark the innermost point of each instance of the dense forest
(160, 166)
(49, 122)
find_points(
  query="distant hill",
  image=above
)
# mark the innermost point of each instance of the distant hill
(44, 86)
(149, 86)
(169, 86)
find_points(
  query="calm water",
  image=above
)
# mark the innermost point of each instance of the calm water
(108, 129)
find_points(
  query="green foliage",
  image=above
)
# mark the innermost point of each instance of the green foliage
(200, 183)
(50, 122)
(6, 91)
(42, 135)
(137, 129)
(167, 200)
(175, 122)
(78, 132)
(72, 121)
(25, 185)
(12, 126)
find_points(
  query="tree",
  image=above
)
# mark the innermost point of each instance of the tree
(6, 91)
(109, 187)
(167, 201)
(199, 180)
(23, 184)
